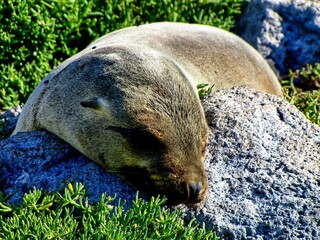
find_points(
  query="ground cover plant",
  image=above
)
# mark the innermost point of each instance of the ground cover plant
(301, 88)
(38, 35)
(69, 216)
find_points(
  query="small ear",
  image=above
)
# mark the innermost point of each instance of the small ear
(97, 103)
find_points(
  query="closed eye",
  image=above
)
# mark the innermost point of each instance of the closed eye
(141, 139)
(144, 140)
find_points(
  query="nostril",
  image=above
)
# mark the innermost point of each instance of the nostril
(194, 190)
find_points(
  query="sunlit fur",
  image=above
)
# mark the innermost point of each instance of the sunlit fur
(129, 102)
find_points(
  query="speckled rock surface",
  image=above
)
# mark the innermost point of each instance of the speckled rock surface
(262, 166)
(42, 160)
(286, 31)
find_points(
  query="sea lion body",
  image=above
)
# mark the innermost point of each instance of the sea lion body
(129, 102)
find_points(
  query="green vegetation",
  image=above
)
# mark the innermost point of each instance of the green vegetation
(204, 89)
(69, 216)
(38, 35)
(300, 88)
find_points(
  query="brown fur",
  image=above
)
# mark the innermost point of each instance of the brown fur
(128, 101)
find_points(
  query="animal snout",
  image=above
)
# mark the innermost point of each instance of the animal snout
(196, 191)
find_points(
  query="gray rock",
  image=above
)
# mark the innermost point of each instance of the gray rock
(40, 159)
(9, 120)
(286, 32)
(262, 166)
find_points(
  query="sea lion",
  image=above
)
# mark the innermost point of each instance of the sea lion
(129, 102)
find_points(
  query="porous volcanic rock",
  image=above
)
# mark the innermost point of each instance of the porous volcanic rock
(42, 160)
(286, 32)
(262, 166)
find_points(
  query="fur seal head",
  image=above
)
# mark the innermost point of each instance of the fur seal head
(137, 115)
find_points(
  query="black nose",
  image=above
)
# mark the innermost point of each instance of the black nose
(195, 189)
